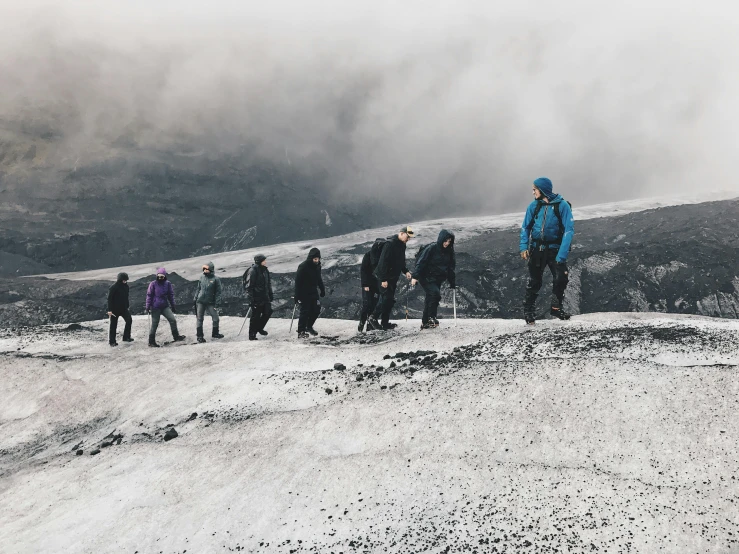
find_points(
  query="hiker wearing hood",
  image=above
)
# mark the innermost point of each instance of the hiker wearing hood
(435, 264)
(118, 307)
(308, 282)
(160, 302)
(207, 300)
(546, 238)
(388, 271)
(259, 295)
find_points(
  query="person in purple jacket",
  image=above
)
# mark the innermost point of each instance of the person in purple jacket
(160, 302)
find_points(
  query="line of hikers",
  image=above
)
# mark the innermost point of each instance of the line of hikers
(545, 241)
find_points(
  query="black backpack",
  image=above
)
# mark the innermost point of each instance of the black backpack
(376, 251)
(422, 249)
(539, 204)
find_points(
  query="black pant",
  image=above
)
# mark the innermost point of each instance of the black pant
(538, 262)
(260, 314)
(387, 301)
(126, 315)
(432, 288)
(310, 309)
(369, 302)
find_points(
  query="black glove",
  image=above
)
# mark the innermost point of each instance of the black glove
(174, 310)
(452, 285)
(323, 293)
(147, 311)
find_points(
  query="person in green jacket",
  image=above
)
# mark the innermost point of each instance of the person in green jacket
(207, 299)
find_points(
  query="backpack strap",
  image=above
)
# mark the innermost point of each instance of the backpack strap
(539, 204)
(559, 218)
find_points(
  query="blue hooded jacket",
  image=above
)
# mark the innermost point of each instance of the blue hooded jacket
(546, 227)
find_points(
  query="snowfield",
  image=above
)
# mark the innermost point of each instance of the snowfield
(342, 250)
(608, 433)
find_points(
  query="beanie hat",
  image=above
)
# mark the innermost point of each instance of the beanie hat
(259, 258)
(314, 253)
(122, 277)
(545, 186)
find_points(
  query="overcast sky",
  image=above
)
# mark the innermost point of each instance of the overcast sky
(476, 99)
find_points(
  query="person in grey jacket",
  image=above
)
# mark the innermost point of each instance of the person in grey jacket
(207, 299)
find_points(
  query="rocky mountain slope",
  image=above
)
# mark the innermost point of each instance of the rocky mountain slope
(609, 433)
(122, 204)
(678, 259)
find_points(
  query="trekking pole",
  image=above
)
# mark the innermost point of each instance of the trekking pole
(454, 301)
(293, 317)
(242, 325)
(406, 303)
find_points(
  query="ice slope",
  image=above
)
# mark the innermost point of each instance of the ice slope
(609, 433)
(341, 250)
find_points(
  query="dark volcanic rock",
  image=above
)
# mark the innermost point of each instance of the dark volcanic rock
(171, 434)
(339, 367)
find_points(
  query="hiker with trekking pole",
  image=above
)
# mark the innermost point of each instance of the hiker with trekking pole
(258, 287)
(308, 282)
(207, 299)
(370, 292)
(389, 268)
(546, 237)
(118, 307)
(435, 263)
(160, 302)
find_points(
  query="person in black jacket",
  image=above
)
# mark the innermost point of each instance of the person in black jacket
(391, 265)
(435, 264)
(259, 295)
(369, 290)
(307, 283)
(118, 307)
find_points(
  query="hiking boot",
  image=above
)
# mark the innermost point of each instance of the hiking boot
(113, 344)
(426, 325)
(389, 326)
(254, 337)
(530, 319)
(153, 342)
(372, 323)
(129, 339)
(201, 339)
(263, 332)
(361, 325)
(179, 338)
(312, 331)
(559, 313)
(433, 322)
(216, 335)
(303, 335)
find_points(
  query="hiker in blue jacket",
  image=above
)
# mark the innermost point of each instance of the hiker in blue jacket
(546, 237)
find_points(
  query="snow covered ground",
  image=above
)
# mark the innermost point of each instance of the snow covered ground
(340, 250)
(609, 433)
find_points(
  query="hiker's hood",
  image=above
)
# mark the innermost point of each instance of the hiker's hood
(443, 236)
